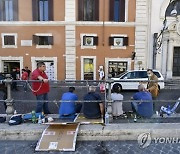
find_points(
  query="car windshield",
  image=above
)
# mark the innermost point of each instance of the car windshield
(117, 76)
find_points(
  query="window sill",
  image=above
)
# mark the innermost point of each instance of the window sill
(43, 46)
(116, 47)
(9, 46)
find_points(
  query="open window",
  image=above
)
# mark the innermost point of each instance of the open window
(118, 42)
(43, 40)
(88, 10)
(89, 41)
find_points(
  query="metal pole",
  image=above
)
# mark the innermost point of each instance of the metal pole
(9, 100)
(109, 102)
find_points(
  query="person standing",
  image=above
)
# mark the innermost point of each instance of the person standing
(117, 98)
(93, 107)
(14, 77)
(25, 78)
(69, 107)
(101, 74)
(152, 85)
(28, 71)
(41, 89)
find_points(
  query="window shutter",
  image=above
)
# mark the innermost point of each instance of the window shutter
(80, 10)
(122, 10)
(50, 40)
(35, 10)
(111, 10)
(1, 10)
(111, 41)
(125, 41)
(84, 40)
(11, 40)
(96, 10)
(95, 40)
(35, 39)
(15, 10)
(51, 9)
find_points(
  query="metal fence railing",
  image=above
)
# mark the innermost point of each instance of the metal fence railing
(25, 102)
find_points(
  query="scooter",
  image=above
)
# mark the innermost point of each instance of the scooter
(168, 110)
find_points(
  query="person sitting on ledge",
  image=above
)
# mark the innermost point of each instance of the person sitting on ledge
(93, 107)
(69, 107)
(144, 107)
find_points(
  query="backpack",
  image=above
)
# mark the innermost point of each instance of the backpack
(15, 120)
(2, 119)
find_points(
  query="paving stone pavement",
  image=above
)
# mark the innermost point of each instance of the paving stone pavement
(93, 147)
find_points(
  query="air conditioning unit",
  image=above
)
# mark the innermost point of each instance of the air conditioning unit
(118, 42)
(89, 40)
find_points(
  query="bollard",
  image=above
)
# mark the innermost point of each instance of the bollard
(9, 100)
(109, 101)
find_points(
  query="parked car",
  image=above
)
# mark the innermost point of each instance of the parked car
(130, 80)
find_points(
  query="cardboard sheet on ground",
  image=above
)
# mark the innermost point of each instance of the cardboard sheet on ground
(58, 137)
(81, 119)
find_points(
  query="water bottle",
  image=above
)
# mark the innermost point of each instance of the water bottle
(106, 118)
(135, 118)
(39, 120)
(168, 109)
(34, 120)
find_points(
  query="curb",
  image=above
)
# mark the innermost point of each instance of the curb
(127, 131)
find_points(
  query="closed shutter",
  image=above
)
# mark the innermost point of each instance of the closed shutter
(96, 10)
(50, 40)
(95, 41)
(51, 10)
(80, 10)
(35, 39)
(15, 10)
(111, 41)
(35, 10)
(122, 10)
(125, 41)
(111, 10)
(1, 10)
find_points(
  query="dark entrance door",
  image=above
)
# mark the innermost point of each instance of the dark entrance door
(176, 62)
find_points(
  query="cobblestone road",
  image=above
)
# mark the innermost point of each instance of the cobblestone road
(93, 147)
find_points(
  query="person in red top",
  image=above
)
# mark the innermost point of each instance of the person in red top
(41, 89)
(24, 77)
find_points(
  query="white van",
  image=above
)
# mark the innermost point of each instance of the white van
(130, 80)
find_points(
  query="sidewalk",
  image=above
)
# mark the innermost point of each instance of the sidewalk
(118, 131)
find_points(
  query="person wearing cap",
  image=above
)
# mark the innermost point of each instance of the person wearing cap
(93, 107)
(143, 105)
(68, 106)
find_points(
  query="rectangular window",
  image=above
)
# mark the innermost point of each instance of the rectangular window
(9, 40)
(89, 41)
(43, 41)
(88, 69)
(117, 10)
(9, 10)
(118, 41)
(42, 10)
(88, 10)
